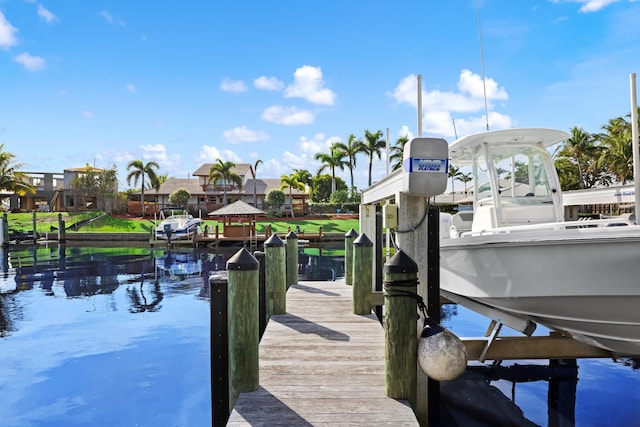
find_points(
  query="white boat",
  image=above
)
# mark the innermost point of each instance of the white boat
(179, 264)
(177, 224)
(515, 254)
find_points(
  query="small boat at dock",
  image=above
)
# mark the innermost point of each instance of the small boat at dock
(177, 224)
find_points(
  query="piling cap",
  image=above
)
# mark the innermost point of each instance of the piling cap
(351, 233)
(273, 242)
(243, 260)
(363, 240)
(400, 263)
(291, 235)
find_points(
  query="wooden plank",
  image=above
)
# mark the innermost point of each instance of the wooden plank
(321, 365)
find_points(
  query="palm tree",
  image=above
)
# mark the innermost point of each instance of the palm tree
(396, 152)
(372, 147)
(581, 147)
(224, 171)
(160, 179)
(254, 172)
(454, 173)
(291, 182)
(617, 153)
(335, 159)
(350, 150)
(10, 178)
(304, 176)
(138, 171)
(465, 177)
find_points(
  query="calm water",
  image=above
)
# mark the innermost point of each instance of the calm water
(604, 393)
(104, 337)
(120, 337)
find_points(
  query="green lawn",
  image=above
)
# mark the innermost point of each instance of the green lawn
(47, 221)
(99, 223)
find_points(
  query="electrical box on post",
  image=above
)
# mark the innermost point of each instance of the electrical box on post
(425, 166)
(389, 216)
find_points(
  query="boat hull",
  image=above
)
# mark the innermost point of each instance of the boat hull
(583, 281)
(181, 229)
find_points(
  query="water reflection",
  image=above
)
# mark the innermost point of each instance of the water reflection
(104, 336)
(313, 264)
(139, 302)
(81, 272)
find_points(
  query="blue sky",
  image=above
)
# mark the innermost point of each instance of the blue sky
(107, 82)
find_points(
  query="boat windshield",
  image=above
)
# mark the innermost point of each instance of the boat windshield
(518, 171)
(173, 212)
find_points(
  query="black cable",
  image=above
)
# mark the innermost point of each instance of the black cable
(409, 230)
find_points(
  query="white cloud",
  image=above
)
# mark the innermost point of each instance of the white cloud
(7, 33)
(229, 85)
(244, 134)
(472, 84)
(110, 19)
(314, 145)
(301, 158)
(158, 153)
(466, 105)
(46, 14)
(31, 63)
(268, 83)
(289, 116)
(131, 88)
(209, 154)
(594, 5)
(405, 131)
(308, 84)
(88, 115)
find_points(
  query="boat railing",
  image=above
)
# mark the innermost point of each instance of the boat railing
(561, 225)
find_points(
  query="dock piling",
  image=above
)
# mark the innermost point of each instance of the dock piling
(262, 310)
(244, 334)
(292, 258)
(219, 352)
(362, 274)
(400, 326)
(348, 256)
(4, 232)
(61, 229)
(275, 276)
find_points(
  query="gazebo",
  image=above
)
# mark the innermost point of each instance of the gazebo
(238, 219)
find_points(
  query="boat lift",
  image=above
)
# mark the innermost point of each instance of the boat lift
(411, 202)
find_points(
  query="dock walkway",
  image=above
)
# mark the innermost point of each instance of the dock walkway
(321, 365)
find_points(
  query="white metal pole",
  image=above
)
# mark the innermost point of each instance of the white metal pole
(419, 106)
(635, 145)
(388, 149)
(388, 233)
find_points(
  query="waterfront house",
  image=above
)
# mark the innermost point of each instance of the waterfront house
(54, 192)
(207, 196)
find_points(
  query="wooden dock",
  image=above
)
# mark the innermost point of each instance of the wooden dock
(321, 365)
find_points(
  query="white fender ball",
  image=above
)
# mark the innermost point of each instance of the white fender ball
(441, 354)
